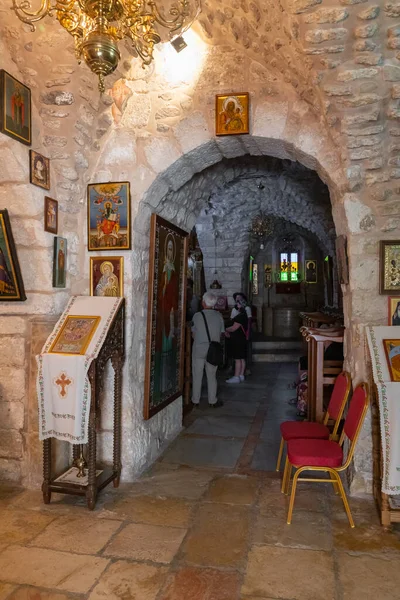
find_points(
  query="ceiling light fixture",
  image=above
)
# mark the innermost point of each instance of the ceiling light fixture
(98, 25)
(261, 227)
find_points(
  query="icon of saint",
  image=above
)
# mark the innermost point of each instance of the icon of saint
(7, 288)
(108, 284)
(61, 265)
(17, 108)
(231, 116)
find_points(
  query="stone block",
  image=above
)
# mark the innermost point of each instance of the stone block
(35, 303)
(36, 268)
(168, 112)
(369, 13)
(10, 470)
(12, 325)
(317, 36)
(327, 15)
(120, 150)
(369, 58)
(270, 119)
(12, 384)
(57, 82)
(365, 140)
(58, 97)
(391, 72)
(160, 153)
(352, 74)
(372, 179)
(11, 414)
(11, 169)
(12, 351)
(10, 443)
(366, 31)
(364, 46)
(21, 200)
(360, 100)
(55, 140)
(137, 112)
(374, 163)
(392, 10)
(394, 31)
(371, 130)
(361, 153)
(30, 233)
(192, 131)
(338, 90)
(325, 50)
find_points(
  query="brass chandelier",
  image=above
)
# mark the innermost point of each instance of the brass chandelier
(98, 25)
(261, 227)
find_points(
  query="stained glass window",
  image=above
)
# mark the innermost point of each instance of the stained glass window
(294, 266)
(284, 266)
(255, 279)
(289, 266)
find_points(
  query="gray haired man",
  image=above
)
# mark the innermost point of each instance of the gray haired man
(200, 348)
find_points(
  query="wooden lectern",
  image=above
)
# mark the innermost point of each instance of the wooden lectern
(113, 350)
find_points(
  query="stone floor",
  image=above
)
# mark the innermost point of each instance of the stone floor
(207, 522)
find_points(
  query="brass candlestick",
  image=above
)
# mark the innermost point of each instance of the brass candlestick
(80, 462)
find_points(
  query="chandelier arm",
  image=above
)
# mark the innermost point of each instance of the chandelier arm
(143, 43)
(70, 17)
(22, 9)
(178, 14)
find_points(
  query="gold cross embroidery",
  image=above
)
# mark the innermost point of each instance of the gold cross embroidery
(63, 381)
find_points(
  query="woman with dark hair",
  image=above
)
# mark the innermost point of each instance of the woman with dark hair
(396, 315)
(237, 333)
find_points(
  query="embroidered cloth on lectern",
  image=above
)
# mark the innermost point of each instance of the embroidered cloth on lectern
(389, 407)
(63, 385)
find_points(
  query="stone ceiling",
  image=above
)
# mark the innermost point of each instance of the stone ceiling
(237, 189)
(339, 56)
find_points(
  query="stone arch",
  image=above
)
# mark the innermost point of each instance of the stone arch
(309, 151)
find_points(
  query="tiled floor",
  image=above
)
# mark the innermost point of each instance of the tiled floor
(208, 522)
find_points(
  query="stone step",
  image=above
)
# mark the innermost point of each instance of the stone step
(278, 345)
(276, 356)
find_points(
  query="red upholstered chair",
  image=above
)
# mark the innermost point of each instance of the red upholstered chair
(326, 455)
(293, 430)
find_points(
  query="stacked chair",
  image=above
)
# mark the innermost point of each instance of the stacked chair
(320, 454)
(292, 430)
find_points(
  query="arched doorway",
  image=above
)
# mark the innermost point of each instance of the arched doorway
(179, 194)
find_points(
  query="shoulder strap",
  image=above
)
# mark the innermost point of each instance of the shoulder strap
(205, 323)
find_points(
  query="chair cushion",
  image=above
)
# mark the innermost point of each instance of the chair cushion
(294, 430)
(314, 453)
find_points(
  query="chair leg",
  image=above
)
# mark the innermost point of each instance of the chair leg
(287, 483)
(335, 485)
(292, 497)
(278, 462)
(285, 472)
(344, 498)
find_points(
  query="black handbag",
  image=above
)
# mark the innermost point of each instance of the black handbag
(215, 354)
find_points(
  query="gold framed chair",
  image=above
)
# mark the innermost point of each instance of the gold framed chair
(293, 430)
(326, 456)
